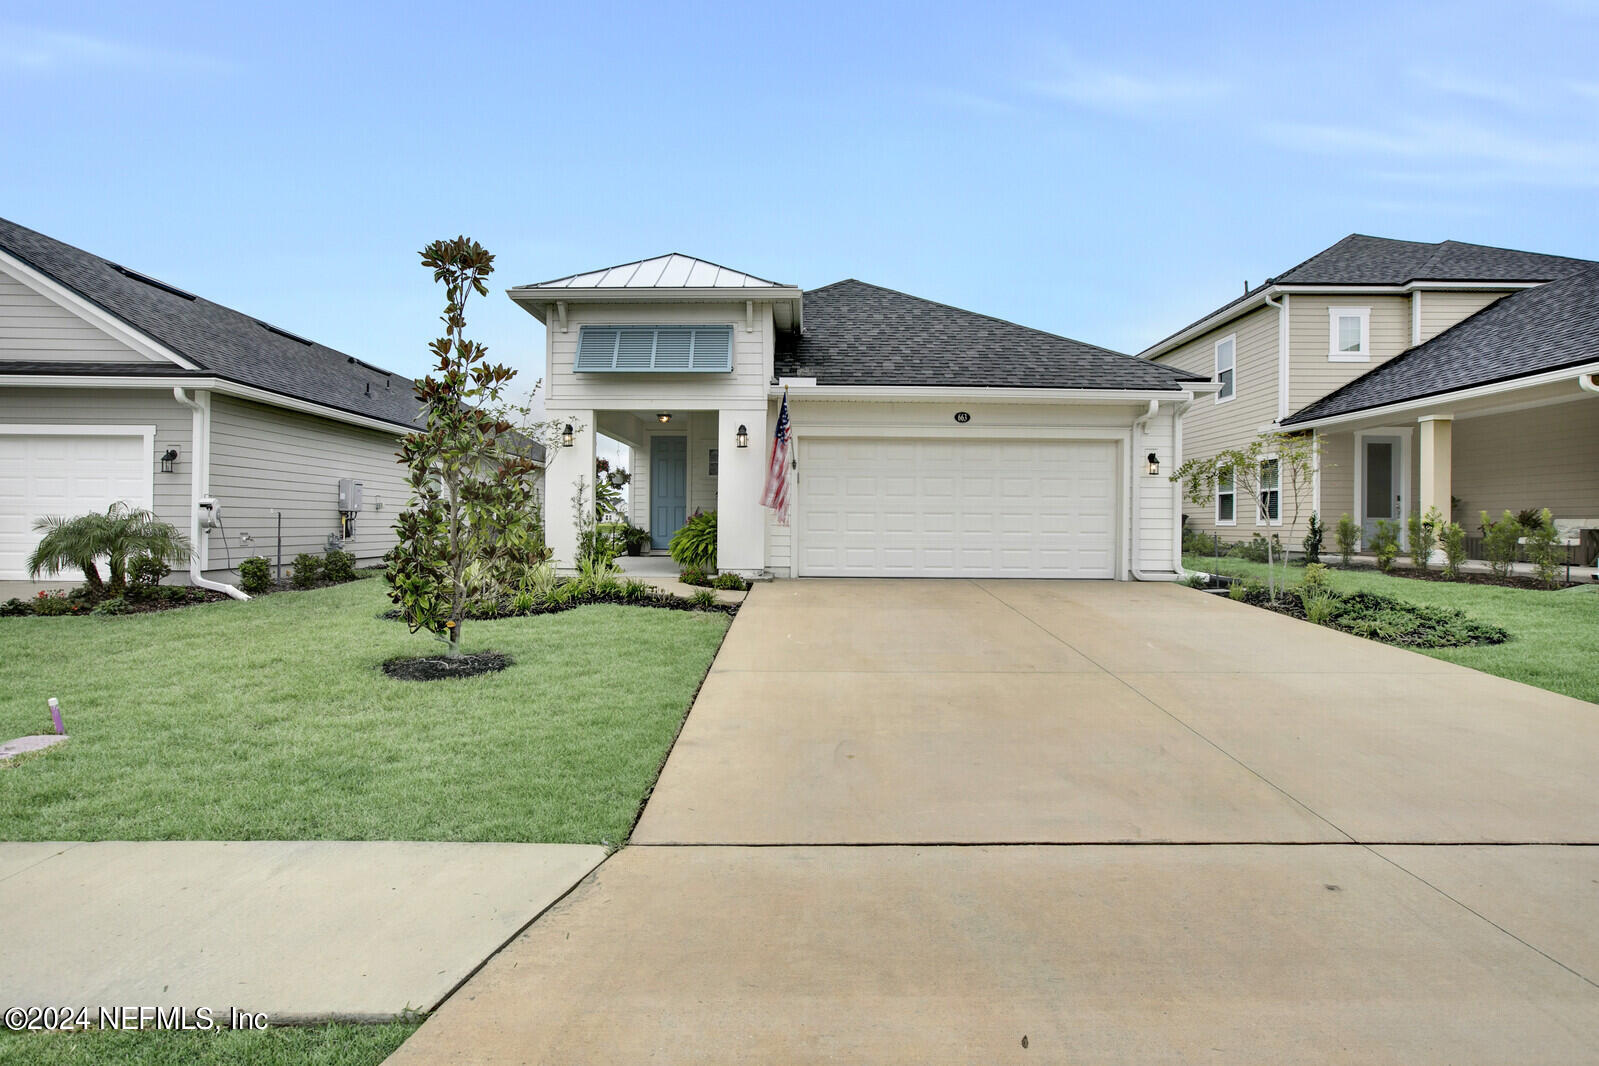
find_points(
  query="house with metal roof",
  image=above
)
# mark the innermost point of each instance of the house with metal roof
(926, 440)
(1454, 376)
(115, 386)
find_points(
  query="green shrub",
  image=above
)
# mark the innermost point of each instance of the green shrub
(338, 566)
(1348, 535)
(695, 543)
(1196, 543)
(1544, 549)
(115, 605)
(1424, 531)
(1238, 590)
(56, 603)
(1313, 536)
(633, 590)
(307, 572)
(1499, 542)
(693, 575)
(1370, 614)
(15, 608)
(255, 574)
(145, 572)
(703, 599)
(1453, 540)
(1385, 543)
(731, 582)
(1196, 581)
(1254, 550)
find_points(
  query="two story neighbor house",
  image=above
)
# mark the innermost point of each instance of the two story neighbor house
(928, 441)
(1448, 375)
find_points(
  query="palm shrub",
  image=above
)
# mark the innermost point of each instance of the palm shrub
(1499, 542)
(1453, 540)
(1544, 549)
(1348, 535)
(1313, 535)
(119, 535)
(1385, 543)
(695, 544)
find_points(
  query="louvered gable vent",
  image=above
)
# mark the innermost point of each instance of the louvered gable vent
(655, 349)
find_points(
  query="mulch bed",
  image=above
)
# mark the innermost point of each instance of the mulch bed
(443, 667)
(1472, 577)
(662, 601)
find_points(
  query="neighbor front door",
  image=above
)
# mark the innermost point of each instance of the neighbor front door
(668, 488)
(1380, 496)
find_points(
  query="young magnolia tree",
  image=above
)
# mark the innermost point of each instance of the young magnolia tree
(472, 523)
(1280, 463)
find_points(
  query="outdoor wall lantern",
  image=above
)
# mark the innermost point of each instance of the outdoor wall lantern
(663, 418)
(743, 436)
(1154, 464)
(566, 436)
(169, 460)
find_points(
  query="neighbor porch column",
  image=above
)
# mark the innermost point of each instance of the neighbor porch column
(565, 466)
(740, 479)
(1437, 481)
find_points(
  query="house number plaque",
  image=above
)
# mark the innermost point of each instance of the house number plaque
(962, 417)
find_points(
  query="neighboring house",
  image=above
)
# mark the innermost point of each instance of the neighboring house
(1447, 375)
(929, 441)
(116, 386)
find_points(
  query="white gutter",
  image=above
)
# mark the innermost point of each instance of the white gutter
(1132, 541)
(200, 445)
(1588, 382)
(1552, 377)
(975, 395)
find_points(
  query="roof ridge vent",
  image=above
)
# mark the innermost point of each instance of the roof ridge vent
(152, 282)
(280, 331)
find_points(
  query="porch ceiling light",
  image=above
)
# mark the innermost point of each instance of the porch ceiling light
(663, 418)
(743, 436)
(1154, 464)
(566, 436)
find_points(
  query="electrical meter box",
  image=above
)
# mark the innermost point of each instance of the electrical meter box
(349, 495)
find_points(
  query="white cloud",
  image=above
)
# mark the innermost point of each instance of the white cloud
(1103, 89)
(34, 50)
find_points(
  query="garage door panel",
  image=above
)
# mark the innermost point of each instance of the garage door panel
(968, 508)
(64, 474)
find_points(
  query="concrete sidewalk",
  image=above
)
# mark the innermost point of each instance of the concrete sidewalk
(299, 930)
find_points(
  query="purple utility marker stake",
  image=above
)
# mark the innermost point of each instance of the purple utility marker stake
(55, 715)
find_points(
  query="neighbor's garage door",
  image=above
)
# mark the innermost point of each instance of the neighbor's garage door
(63, 474)
(969, 508)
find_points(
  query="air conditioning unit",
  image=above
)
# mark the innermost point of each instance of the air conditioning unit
(349, 495)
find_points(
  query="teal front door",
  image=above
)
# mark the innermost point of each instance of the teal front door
(668, 488)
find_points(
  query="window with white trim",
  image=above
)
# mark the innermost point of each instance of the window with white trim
(1226, 498)
(1271, 501)
(1226, 367)
(1349, 334)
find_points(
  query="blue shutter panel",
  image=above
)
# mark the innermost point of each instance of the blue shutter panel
(655, 349)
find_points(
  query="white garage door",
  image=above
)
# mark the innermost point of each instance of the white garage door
(63, 474)
(968, 508)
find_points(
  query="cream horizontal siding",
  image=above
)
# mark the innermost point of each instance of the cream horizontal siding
(1209, 427)
(1540, 457)
(118, 407)
(1311, 374)
(748, 381)
(1439, 311)
(34, 327)
(1337, 483)
(265, 459)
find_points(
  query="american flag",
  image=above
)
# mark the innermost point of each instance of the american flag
(776, 495)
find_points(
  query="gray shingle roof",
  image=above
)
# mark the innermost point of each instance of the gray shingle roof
(860, 334)
(225, 342)
(1360, 259)
(1528, 332)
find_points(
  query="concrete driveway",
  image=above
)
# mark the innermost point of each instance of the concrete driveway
(919, 821)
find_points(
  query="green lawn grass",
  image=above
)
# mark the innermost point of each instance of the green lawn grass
(324, 1045)
(1553, 635)
(271, 720)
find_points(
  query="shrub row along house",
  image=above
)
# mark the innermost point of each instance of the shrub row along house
(1449, 375)
(116, 386)
(927, 440)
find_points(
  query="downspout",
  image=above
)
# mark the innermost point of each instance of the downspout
(1588, 383)
(200, 444)
(1282, 354)
(1177, 486)
(1132, 541)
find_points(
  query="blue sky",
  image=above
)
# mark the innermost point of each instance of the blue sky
(1105, 171)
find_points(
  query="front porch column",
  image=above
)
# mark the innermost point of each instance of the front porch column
(561, 473)
(1437, 465)
(740, 480)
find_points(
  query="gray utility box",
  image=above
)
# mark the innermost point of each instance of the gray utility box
(349, 495)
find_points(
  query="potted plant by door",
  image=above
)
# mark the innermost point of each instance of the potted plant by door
(635, 539)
